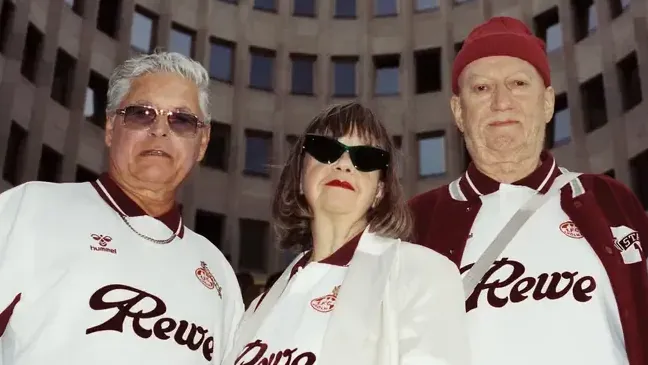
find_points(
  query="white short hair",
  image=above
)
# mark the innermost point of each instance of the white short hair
(121, 78)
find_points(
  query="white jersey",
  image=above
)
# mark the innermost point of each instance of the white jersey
(293, 332)
(536, 306)
(79, 286)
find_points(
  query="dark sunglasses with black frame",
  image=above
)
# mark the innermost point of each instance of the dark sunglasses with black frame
(183, 124)
(327, 150)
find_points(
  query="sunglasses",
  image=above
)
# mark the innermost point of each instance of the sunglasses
(328, 150)
(140, 117)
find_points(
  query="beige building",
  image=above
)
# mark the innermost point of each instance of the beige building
(275, 63)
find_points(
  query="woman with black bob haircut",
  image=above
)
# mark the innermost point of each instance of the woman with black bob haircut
(358, 293)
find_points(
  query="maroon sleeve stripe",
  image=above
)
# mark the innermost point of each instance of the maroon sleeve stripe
(5, 315)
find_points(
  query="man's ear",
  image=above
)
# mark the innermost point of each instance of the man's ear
(110, 128)
(455, 107)
(204, 141)
(549, 103)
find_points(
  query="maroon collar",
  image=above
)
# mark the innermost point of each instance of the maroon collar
(474, 183)
(341, 257)
(115, 197)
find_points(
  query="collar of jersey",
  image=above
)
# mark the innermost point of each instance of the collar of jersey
(115, 197)
(341, 257)
(474, 183)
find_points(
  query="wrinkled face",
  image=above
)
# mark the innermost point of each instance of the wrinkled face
(502, 108)
(339, 188)
(156, 155)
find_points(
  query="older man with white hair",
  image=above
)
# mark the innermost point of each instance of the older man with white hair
(106, 272)
(555, 271)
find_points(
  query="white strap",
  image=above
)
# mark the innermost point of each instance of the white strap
(512, 227)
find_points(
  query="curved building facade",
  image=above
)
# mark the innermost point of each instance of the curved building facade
(275, 63)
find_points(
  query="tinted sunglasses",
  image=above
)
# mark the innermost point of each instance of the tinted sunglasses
(328, 150)
(183, 124)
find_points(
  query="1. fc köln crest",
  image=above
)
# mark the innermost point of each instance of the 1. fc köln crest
(207, 279)
(326, 303)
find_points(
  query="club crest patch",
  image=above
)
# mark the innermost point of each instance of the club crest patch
(569, 229)
(326, 303)
(207, 279)
(626, 240)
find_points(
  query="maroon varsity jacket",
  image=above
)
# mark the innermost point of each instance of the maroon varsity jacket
(595, 203)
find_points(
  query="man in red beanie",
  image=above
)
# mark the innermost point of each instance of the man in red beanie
(553, 264)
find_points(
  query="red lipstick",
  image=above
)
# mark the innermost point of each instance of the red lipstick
(340, 184)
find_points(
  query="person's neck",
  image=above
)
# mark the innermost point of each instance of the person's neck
(508, 172)
(154, 202)
(329, 234)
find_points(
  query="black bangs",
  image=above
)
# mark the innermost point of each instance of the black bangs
(350, 119)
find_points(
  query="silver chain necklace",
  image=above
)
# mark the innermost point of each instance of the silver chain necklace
(159, 242)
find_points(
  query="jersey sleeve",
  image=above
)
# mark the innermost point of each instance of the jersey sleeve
(432, 317)
(12, 254)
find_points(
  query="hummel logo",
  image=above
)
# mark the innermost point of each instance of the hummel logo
(103, 241)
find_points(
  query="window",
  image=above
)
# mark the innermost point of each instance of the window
(76, 5)
(593, 98)
(427, 64)
(585, 20)
(108, 16)
(258, 152)
(210, 225)
(397, 141)
(386, 74)
(63, 78)
(431, 153)
(254, 236)
(344, 76)
(639, 172)
(96, 100)
(426, 5)
(305, 8)
(15, 154)
(303, 68)
(142, 31)
(385, 7)
(217, 152)
(345, 9)
(83, 174)
(221, 60)
(49, 166)
(547, 28)
(617, 7)
(6, 22)
(610, 173)
(558, 130)
(265, 5)
(457, 48)
(181, 40)
(629, 80)
(262, 69)
(32, 53)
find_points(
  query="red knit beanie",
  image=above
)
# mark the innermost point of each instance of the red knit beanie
(502, 36)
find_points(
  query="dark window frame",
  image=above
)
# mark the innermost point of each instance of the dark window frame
(345, 60)
(266, 53)
(435, 134)
(302, 57)
(263, 135)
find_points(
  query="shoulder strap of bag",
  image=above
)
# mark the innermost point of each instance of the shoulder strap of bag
(512, 227)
